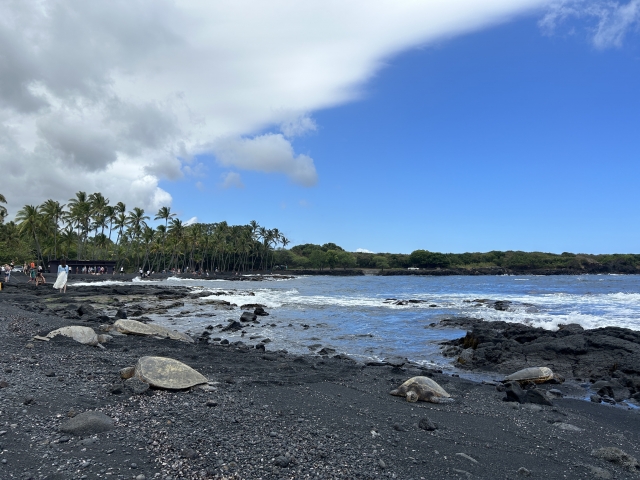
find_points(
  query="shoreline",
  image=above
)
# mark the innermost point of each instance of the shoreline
(269, 414)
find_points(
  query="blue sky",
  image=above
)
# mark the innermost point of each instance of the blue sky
(502, 139)
(395, 125)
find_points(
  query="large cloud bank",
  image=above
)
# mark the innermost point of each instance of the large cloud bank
(115, 95)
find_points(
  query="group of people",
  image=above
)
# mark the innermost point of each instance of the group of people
(36, 274)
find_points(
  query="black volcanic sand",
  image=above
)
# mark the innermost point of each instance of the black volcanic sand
(269, 414)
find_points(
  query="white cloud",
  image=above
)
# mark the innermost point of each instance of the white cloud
(613, 20)
(363, 250)
(267, 153)
(231, 180)
(298, 126)
(110, 94)
(191, 221)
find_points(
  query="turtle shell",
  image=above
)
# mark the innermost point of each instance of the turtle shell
(531, 374)
(167, 373)
(420, 384)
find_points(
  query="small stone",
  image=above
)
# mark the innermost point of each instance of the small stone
(595, 398)
(87, 423)
(64, 439)
(28, 401)
(141, 477)
(426, 424)
(567, 427)
(189, 453)
(281, 462)
(3, 384)
(524, 472)
(381, 464)
(29, 345)
(133, 465)
(211, 403)
(617, 456)
(50, 373)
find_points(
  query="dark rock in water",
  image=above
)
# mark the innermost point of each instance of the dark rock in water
(327, 351)
(260, 312)
(248, 317)
(250, 306)
(260, 346)
(136, 386)
(209, 327)
(595, 398)
(87, 423)
(509, 347)
(121, 313)
(502, 305)
(426, 424)
(233, 326)
(224, 342)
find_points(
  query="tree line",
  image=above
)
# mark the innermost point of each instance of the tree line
(88, 227)
(331, 256)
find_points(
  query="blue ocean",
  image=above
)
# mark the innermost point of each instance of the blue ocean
(361, 317)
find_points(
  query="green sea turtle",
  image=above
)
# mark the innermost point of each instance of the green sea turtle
(162, 372)
(422, 388)
(534, 375)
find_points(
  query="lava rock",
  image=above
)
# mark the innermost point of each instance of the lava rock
(87, 423)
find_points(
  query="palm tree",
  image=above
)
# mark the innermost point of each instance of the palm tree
(79, 215)
(53, 212)
(164, 213)
(3, 210)
(31, 220)
(176, 233)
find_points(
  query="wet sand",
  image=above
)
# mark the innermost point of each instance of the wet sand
(267, 414)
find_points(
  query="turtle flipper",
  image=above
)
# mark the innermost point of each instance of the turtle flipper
(435, 399)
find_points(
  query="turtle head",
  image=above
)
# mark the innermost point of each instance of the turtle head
(412, 396)
(558, 378)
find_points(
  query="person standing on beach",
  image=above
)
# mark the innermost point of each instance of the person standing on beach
(63, 273)
(7, 273)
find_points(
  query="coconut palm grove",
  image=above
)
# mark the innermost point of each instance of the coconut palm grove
(89, 227)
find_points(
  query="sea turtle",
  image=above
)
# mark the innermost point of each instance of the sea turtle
(534, 375)
(133, 327)
(422, 388)
(84, 335)
(162, 372)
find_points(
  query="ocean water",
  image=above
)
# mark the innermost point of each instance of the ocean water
(352, 316)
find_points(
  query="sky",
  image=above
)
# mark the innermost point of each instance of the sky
(388, 126)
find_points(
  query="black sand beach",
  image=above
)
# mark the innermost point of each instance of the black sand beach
(271, 415)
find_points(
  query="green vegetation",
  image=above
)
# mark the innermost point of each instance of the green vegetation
(84, 229)
(332, 256)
